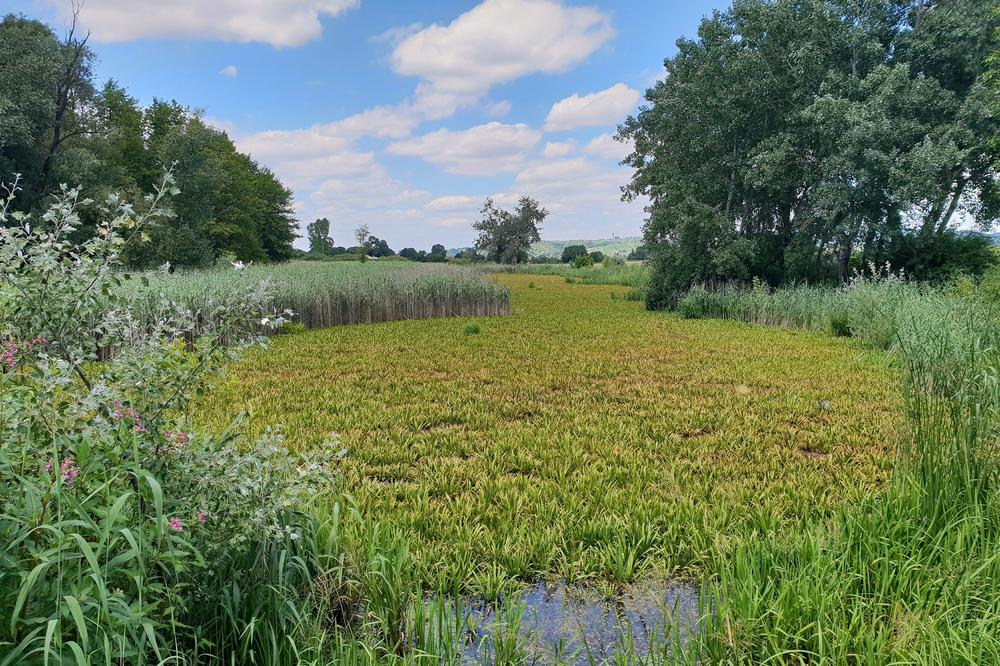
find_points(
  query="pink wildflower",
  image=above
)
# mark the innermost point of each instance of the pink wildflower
(202, 517)
(176, 524)
(69, 470)
(48, 467)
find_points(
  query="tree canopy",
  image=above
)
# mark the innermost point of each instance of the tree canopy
(571, 252)
(318, 234)
(505, 236)
(58, 126)
(800, 139)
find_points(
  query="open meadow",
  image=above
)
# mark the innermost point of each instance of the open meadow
(580, 438)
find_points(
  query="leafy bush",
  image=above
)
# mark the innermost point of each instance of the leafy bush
(583, 261)
(571, 252)
(121, 531)
(613, 262)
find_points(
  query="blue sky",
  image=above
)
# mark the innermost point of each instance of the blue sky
(406, 115)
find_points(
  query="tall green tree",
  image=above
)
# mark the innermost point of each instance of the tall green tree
(318, 234)
(798, 139)
(505, 236)
(56, 126)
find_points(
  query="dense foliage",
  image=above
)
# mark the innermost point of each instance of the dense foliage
(126, 537)
(505, 236)
(571, 252)
(57, 125)
(796, 140)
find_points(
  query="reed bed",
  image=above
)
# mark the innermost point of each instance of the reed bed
(330, 294)
(910, 575)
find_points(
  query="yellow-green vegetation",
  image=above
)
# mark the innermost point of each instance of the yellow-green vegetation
(580, 437)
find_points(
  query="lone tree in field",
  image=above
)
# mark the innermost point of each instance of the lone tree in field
(361, 236)
(318, 233)
(506, 237)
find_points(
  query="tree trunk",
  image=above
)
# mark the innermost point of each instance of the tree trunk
(946, 218)
(843, 258)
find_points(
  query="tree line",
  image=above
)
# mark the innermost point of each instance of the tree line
(504, 237)
(58, 125)
(803, 140)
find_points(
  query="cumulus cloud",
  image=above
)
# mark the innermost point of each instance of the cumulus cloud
(609, 106)
(558, 148)
(496, 42)
(453, 202)
(228, 71)
(583, 197)
(607, 147)
(274, 22)
(478, 151)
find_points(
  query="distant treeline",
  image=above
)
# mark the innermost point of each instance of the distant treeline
(58, 125)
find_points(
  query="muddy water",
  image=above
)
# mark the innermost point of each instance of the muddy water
(574, 625)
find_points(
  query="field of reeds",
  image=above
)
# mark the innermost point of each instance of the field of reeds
(581, 439)
(329, 294)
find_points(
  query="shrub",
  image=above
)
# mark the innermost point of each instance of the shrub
(472, 329)
(613, 262)
(122, 533)
(571, 252)
(583, 261)
(690, 307)
(291, 328)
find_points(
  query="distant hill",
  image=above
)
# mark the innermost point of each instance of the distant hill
(554, 248)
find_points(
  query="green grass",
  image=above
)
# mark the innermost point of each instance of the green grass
(580, 438)
(631, 274)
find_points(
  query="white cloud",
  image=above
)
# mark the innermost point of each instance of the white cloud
(558, 148)
(498, 109)
(275, 22)
(478, 151)
(583, 197)
(453, 202)
(496, 42)
(607, 147)
(228, 71)
(604, 107)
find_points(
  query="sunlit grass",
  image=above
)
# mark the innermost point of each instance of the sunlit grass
(581, 437)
